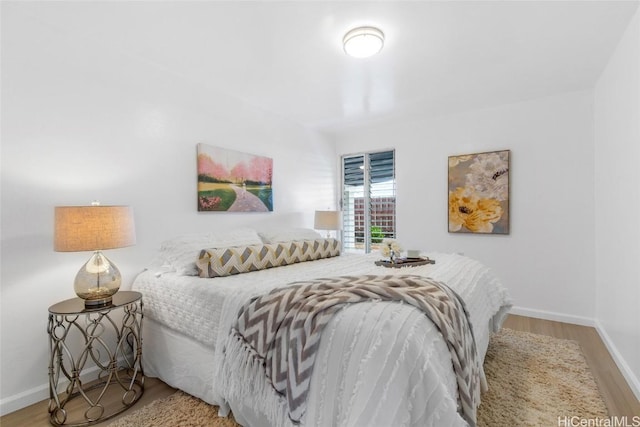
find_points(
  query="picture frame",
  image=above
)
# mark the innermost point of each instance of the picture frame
(233, 181)
(479, 193)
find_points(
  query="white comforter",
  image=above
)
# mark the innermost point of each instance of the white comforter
(379, 364)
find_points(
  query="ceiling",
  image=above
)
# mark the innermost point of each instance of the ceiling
(286, 57)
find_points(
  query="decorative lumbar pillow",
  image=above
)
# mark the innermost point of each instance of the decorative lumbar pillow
(219, 262)
(181, 252)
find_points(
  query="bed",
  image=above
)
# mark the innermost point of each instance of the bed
(378, 363)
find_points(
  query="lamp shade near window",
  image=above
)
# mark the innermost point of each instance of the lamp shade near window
(327, 220)
(94, 228)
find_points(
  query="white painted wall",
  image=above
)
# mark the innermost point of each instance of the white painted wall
(80, 122)
(547, 261)
(617, 202)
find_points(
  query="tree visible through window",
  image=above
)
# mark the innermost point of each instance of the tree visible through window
(368, 200)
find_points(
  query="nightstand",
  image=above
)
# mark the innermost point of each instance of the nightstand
(106, 341)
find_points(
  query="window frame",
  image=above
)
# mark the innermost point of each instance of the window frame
(367, 199)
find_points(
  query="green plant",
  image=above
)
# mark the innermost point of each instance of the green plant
(376, 234)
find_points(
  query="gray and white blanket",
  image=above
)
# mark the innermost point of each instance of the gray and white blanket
(279, 332)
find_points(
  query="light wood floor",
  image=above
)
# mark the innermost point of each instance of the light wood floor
(617, 395)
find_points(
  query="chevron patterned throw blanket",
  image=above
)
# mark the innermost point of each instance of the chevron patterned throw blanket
(281, 330)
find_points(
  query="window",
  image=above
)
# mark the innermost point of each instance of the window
(368, 200)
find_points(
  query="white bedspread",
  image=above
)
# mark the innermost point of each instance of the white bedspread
(378, 363)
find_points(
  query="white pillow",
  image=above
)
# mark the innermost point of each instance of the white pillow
(288, 235)
(182, 252)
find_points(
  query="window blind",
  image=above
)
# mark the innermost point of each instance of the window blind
(369, 199)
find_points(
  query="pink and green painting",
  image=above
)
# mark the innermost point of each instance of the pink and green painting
(233, 181)
(479, 193)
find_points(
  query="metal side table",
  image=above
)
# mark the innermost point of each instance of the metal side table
(113, 344)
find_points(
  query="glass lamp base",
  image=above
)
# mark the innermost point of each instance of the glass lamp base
(97, 281)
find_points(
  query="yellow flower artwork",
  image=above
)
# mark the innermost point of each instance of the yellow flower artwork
(479, 193)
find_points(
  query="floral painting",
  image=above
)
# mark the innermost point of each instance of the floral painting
(479, 193)
(233, 181)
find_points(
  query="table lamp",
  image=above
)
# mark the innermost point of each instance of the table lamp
(94, 228)
(327, 220)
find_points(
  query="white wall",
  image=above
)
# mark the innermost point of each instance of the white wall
(79, 123)
(547, 261)
(617, 197)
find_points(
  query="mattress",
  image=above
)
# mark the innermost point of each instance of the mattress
(375, 361)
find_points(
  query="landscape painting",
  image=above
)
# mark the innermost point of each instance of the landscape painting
(479, 193)
(232, 181)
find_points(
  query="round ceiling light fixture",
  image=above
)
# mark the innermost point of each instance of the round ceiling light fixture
(363, 42)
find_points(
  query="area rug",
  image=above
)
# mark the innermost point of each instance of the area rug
(537, 380)
(533, 380)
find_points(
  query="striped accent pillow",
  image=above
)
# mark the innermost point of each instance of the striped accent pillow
(219, 262)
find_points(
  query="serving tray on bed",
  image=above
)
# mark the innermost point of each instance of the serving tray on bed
(405, 262)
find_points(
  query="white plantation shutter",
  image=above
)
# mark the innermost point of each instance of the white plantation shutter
(369, 200)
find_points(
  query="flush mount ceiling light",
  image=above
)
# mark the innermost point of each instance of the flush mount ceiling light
(362, 42)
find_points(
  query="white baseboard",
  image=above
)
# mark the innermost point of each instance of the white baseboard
(24, 399)
(41, 392)
(557, 317)
(627, 373)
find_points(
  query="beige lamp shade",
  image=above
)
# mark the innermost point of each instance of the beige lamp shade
(327, 220)
(92, 228)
